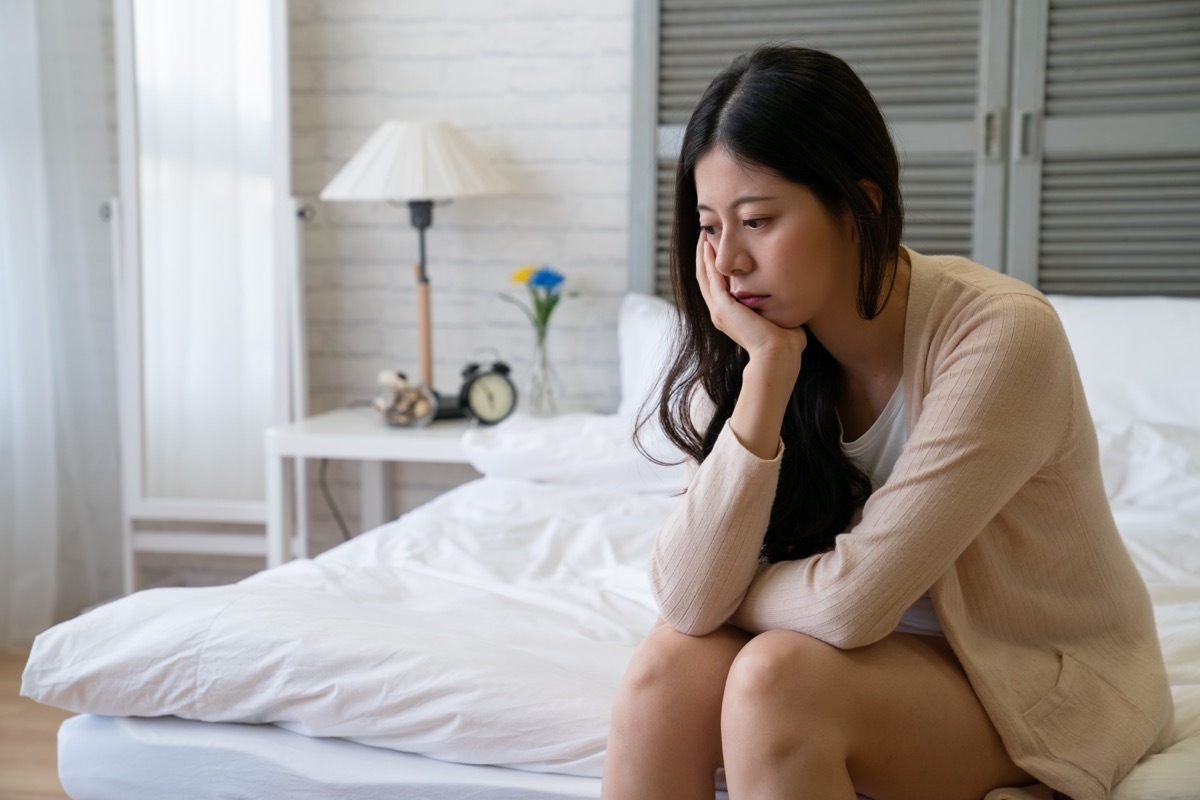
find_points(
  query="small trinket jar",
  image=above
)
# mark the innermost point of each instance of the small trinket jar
(404, 403)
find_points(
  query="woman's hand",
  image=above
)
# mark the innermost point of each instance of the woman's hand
(775, 354)
(762, 339)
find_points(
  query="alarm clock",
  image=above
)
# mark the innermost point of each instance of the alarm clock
(488, 393)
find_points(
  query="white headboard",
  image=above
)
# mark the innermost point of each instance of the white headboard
(1139, 357)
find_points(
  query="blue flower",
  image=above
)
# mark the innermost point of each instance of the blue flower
(546, 278)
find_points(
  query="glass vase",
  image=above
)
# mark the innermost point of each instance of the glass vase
(540, 395)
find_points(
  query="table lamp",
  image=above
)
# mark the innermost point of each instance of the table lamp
(418, 163)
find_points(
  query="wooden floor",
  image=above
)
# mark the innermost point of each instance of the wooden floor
(28, 743)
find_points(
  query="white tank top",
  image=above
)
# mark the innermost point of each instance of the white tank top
(877, 451)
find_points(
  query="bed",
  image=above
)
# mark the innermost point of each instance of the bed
(471, 648)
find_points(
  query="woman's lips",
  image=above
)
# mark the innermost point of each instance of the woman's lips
(749, 300)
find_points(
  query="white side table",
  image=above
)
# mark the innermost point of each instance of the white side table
(355, 434)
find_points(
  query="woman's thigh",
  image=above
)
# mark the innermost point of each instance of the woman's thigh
(911, 724)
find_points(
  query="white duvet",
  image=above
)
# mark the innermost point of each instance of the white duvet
(492, 625)
(488, 627)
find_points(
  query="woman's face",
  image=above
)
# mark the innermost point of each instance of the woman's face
(781, 253)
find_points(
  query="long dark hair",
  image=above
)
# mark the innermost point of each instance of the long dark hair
(806, 116)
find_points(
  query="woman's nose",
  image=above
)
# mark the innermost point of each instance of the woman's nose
(731, 256)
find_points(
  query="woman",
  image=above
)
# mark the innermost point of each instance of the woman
(895, 571)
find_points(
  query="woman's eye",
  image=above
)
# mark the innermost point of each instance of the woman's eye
(708, 230)
(754, 224)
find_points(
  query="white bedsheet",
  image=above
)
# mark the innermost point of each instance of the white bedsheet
(164, 758)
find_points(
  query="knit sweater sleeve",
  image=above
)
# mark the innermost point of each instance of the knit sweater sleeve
(706, 554)
(997, 406)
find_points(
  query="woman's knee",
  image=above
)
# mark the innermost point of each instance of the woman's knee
(670, 662)
(786, 669)
(781, 706)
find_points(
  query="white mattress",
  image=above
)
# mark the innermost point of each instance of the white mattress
(131, 758)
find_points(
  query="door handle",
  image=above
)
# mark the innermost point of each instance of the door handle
(992, 130)
(1028, 130)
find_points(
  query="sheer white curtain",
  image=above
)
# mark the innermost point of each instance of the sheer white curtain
(59, 486)
(204, 126)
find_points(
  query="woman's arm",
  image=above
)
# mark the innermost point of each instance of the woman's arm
(707, 553)
(997, 408)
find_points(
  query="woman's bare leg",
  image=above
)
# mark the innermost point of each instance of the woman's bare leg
(896, 719)
(666, 725)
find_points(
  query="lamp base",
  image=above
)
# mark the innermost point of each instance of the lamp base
(449, 406)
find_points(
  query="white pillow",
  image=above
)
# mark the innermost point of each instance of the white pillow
(593, 450)
(1137, 356)
(645, 335)
(596, 450)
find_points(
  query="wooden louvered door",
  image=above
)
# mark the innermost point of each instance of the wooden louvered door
(939, 69)
(1105, 175)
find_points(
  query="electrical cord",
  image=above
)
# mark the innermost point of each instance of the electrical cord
(328, 494)
(329, 501)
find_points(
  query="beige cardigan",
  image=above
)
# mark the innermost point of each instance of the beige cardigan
(996, 506)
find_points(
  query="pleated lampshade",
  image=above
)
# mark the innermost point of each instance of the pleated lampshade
(420, 160)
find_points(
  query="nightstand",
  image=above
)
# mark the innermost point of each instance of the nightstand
(355, 434)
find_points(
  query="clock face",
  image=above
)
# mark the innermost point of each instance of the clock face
(491, 397)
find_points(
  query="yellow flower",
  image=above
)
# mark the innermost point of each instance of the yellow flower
(522, 274)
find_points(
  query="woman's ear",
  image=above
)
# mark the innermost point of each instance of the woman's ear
(875, 195)
(874, 192)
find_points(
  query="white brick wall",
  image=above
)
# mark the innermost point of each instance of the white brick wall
(543, 87)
